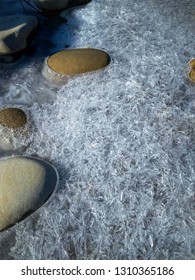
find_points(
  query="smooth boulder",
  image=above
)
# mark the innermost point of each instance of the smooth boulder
(25, 184)
(78, 61)
(15, 33)
(13, 118)
(50, 5)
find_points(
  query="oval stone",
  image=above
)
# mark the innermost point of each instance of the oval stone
(78, 61)
(25, 184)
(13, 118)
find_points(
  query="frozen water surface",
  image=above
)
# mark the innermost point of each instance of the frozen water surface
(122, 139)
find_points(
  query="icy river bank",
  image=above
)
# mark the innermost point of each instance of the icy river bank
(122, 139)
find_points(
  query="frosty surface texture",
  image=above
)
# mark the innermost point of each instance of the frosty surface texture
(122, 139)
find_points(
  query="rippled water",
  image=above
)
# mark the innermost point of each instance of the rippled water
(122, 139)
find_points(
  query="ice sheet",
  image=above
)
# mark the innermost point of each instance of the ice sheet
(122, 139)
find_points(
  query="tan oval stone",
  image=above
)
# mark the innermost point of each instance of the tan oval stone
(192, 74)
(192, 63)
(15, 32)
(13, 118)
(77, 61)
(25, 184)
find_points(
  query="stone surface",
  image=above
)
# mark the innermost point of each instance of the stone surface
(25, 184)
(5, 144)
(192, 63)
(50, 5)
(15, 32)
(192, 74)
(192, 71)
(77, 61)
(13, 118)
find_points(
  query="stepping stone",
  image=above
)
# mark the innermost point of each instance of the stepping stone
(75, 61)
(25, 185)
(13, 118)
(15, 33)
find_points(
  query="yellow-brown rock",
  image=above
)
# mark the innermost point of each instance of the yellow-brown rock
(77, 61)
(192, 74)
(192, 63)
(13, 118)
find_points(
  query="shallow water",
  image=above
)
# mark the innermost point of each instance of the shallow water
(122, 139)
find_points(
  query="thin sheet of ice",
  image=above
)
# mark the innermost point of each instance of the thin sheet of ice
(122, 139)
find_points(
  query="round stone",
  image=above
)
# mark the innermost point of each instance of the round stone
(77, 61)
(25, 184)
(13, 118)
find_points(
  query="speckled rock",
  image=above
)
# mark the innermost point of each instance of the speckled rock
(15, 32)
(50, 5)
(77, 61)
(12, 118)
(25, 184)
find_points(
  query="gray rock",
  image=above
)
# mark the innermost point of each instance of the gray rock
(15, 32)
(50, 5)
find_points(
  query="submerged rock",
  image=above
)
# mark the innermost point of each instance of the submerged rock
(15, 33)
(25, 184)
(75, 61)
(12, 118)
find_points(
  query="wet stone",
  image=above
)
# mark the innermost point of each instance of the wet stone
(12, 118)
(25, 184)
